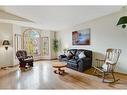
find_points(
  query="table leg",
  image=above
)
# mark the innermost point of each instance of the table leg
(59, 71)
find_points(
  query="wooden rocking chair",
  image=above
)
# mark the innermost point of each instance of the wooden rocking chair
(107, 66)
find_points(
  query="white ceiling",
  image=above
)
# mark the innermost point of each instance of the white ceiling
(60, 17)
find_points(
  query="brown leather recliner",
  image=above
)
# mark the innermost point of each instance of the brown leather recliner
(25, 61)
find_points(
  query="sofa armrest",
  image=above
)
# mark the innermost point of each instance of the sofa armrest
(63, 56)
(84, 63)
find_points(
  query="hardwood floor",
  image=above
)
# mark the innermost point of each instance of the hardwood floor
(43, 77)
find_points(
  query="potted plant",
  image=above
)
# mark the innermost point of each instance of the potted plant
(55, 45)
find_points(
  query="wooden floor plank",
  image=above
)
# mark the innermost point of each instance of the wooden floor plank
(43, 77)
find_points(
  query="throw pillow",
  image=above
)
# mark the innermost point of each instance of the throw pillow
(105, 66)
(81, 55)
(69, 55)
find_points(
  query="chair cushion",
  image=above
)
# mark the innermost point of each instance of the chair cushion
(28, 59)
(21, 53)
(105, 66)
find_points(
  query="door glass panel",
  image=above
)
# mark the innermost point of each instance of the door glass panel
(32, 42)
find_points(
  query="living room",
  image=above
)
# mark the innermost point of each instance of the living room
(48, 34)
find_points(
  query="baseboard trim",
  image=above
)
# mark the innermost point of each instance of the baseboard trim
(121, 73)
(11, 66)
(115, 72)
(46, 59)
(54, 59)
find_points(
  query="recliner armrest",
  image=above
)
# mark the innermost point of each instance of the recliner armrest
(29, 56)
(20, 58)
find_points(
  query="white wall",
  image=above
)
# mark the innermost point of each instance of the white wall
(16, 30)
(6, 58)
(104, 34)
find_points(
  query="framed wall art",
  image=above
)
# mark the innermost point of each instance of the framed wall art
(81, 37)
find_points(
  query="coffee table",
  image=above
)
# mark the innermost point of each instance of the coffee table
(59, 66)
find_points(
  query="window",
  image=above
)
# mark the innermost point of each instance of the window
(31, 42)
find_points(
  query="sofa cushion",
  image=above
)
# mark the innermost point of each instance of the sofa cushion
(69, 55)
(81, 55)
(64, 59)
(72, 51)
(73, 61)
(76, 57)
(88, 53)
(79, 51)
(72, 64)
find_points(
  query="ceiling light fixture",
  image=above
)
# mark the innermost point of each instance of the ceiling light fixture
(123, 20)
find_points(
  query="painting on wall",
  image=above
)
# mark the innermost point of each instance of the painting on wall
(81, 37)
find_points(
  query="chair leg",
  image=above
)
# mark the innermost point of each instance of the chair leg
(114, 78)
(103, 77)
(95, 71)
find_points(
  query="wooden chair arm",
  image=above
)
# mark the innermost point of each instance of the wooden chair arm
(108, 63)
(100, 60)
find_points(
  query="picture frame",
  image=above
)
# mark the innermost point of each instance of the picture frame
(81, 37)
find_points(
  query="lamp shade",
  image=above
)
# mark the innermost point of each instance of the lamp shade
(6, 42)
(122, 21)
